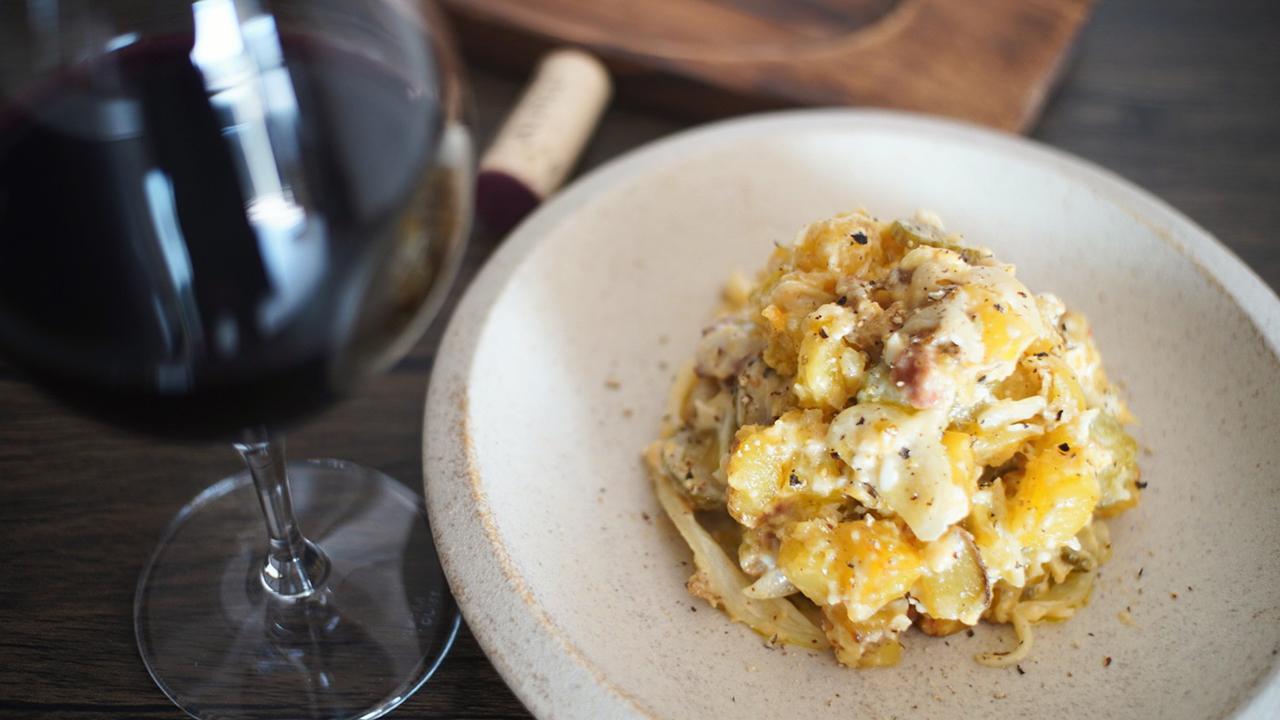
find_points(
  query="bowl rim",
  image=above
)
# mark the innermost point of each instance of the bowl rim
(514, 631)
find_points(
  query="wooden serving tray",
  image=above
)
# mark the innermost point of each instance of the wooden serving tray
(987, 61)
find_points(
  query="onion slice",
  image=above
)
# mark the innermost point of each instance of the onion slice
(776, 618)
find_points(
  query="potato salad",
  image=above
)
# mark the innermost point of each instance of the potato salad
(886, 429)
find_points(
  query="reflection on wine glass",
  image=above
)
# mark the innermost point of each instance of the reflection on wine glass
(216, 218)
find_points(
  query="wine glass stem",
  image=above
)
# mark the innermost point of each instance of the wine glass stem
(294, 566)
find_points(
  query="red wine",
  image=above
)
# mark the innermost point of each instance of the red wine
(196, 239)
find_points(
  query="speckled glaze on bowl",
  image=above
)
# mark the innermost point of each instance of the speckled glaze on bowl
(554, 371)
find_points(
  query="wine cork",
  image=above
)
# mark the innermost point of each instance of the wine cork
(540, 141)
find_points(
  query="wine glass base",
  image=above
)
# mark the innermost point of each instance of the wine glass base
(221, 646)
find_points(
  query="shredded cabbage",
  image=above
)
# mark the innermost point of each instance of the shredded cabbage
(772, 584)
(775, 618)
(1059, 602)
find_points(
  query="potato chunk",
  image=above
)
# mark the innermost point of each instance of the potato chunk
(861, 565)
(1007, 327)
(1115, 456)
(783, 467)
(830, 372)
(954, 584)
(871, 643)
(1056, 494)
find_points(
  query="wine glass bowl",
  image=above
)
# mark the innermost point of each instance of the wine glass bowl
(217, 218)
(250, 213)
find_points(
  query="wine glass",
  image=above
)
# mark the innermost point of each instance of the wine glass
(216, 218)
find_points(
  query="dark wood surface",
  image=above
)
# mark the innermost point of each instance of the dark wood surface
(1181, 96)
(990, 61)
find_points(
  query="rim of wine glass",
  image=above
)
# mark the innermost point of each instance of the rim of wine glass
(445, 637)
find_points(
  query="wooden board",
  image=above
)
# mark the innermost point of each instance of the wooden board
(987, 61)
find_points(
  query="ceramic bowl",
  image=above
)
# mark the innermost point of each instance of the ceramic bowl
(555, 369)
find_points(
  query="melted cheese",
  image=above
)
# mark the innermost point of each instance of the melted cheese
(899, 453)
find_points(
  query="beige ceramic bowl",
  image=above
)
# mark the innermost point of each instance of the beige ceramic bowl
(554, 371)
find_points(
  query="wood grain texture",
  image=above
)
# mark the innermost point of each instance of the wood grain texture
(986, 61)
(81, 506)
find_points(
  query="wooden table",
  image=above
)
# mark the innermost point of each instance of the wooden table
(1181, 96)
